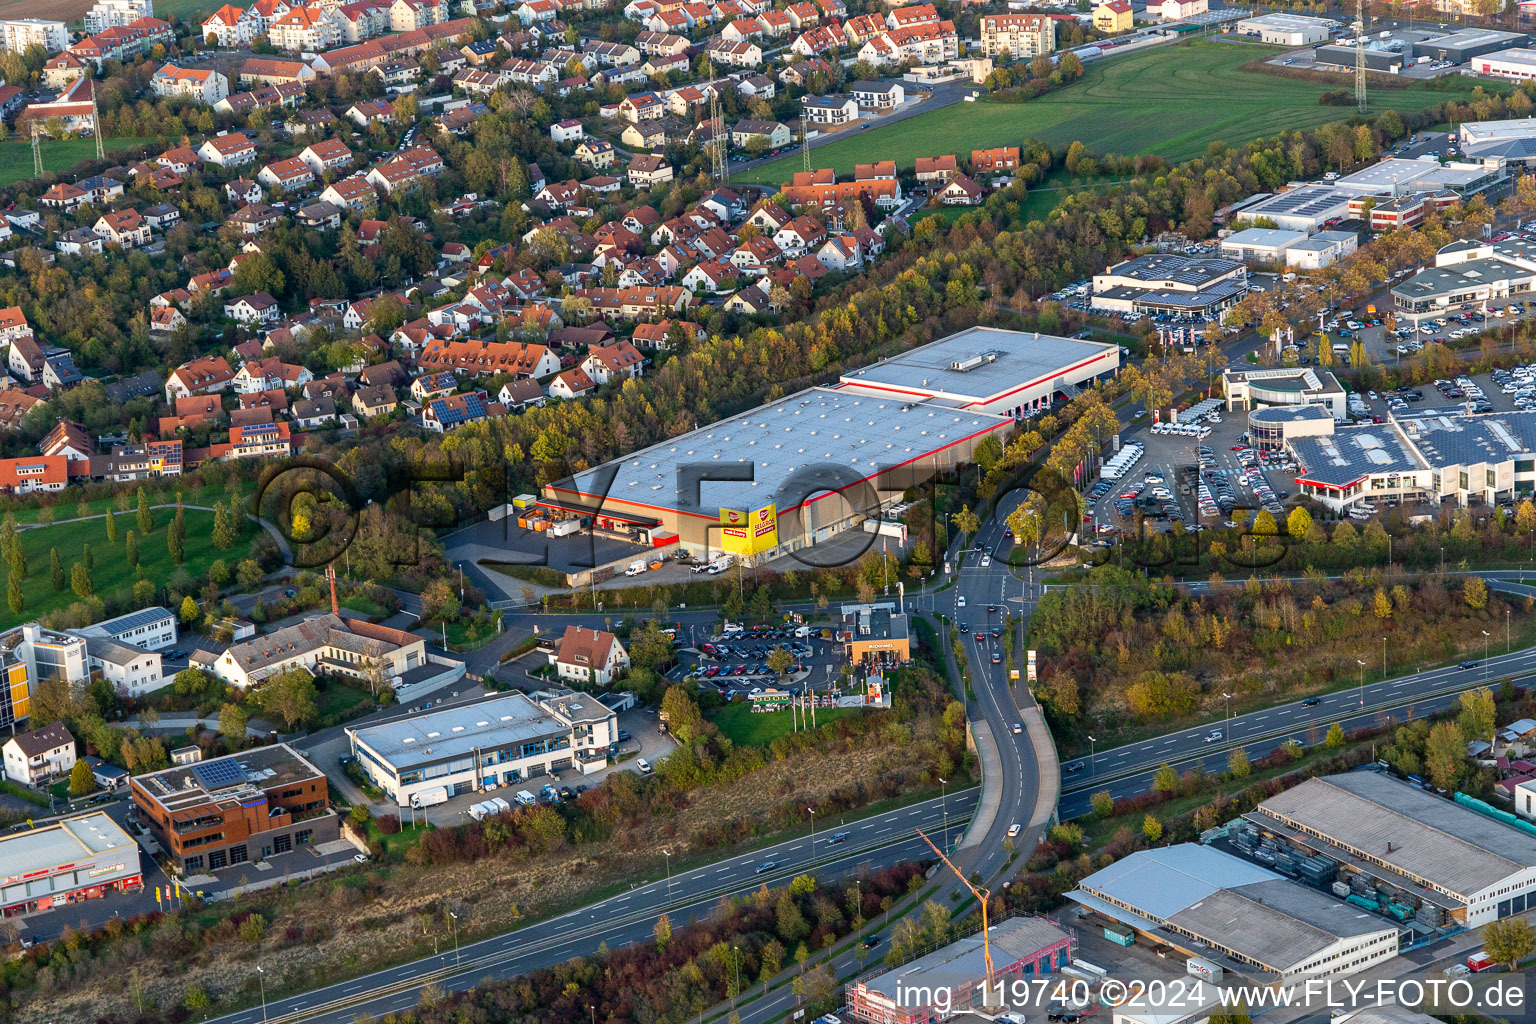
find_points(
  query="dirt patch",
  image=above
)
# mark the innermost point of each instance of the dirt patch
(335, 928)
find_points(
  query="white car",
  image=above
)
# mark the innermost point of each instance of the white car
(1013, 830)
(960, 601)
(985, 561)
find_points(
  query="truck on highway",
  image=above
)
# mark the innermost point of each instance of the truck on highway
(430, 797)
(1200, 967)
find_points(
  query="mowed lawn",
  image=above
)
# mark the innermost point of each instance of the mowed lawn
(111, 571)
(1171, 100)
(58, 155)
(748, 728)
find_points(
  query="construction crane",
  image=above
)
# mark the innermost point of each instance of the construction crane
(983, 896)
(1360, 55)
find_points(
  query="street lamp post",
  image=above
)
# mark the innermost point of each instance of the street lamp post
(812, 812)
(1485, 657)
(261, 980)
(1506, 630)
(668, 855)
(1383, 657)
(1092, 766)
(1228, 722)
(455, 937)
(944, 802)
(1362, 681)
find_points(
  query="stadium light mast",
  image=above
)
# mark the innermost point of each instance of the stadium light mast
(1360, 55)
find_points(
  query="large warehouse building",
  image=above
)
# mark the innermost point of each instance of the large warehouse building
(66, 862)
(1280, 29)
(800, 470)
(1255, 920)
(1411, 851)
(1005, 373)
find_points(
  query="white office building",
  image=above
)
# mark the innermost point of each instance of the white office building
(503, 741)
(1281, 29)
(151, 629)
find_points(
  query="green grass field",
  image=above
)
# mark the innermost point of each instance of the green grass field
(1172, 101)
(748, 729)
(58, 155)
(111, 571)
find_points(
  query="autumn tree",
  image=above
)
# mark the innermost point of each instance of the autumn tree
(1445, 755)
(290, 696)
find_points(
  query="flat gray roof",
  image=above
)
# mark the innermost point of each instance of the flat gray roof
(1289, 414)
(1418, 834)
(1462, 440)
(820, 437)
(1272, 237)
(1418, 175)
(70, 840)
(964, 960)
(1019, 358)
(1225, 902)
(455, 732)
(1514, 55)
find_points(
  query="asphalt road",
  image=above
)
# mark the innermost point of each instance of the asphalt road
(875, 842)
(1127, 770)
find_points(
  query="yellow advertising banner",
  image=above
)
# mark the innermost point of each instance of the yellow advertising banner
(749, 535)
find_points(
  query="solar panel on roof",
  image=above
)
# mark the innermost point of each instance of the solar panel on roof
(218, 774)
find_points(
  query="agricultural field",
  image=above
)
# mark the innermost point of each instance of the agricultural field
(1171, 100)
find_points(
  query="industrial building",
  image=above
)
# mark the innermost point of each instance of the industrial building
(798, 471)
(1428, 861)
(985, 369)
(1467, 274)
(951, 979)
(1165, 282)
(1507, 144)
(1397, 176)
(67, 862)
(243, 808)
(1209, 903)
(503, 741)
(1467, 45)
(1516, 63)
(1305, 208)
(1293, 248)
(1288, 29)
(1393, 50)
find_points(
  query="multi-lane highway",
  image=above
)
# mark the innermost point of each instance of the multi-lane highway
(1127, 770)
(875, 842)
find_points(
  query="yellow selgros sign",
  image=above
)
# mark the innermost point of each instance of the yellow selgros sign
(742, 534)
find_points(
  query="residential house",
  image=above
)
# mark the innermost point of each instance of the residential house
(290, 173)
(994, 161)
(1020, 36)
(573, 383)
(830, 111)
(126, 228)
(449, 412)
(202, 85)
(761, 135)
(1114, 16)
(326, 156)
(936, 170)
(960, 191)
(40, 756)
(649, 170)
(569, 130)
(592, 656)
(374, 400)
(231, 150)
(882, 97)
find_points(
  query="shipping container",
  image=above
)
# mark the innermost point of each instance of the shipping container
(1120, 935)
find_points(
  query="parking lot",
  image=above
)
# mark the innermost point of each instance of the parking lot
(1191, 481)
(738, 664)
